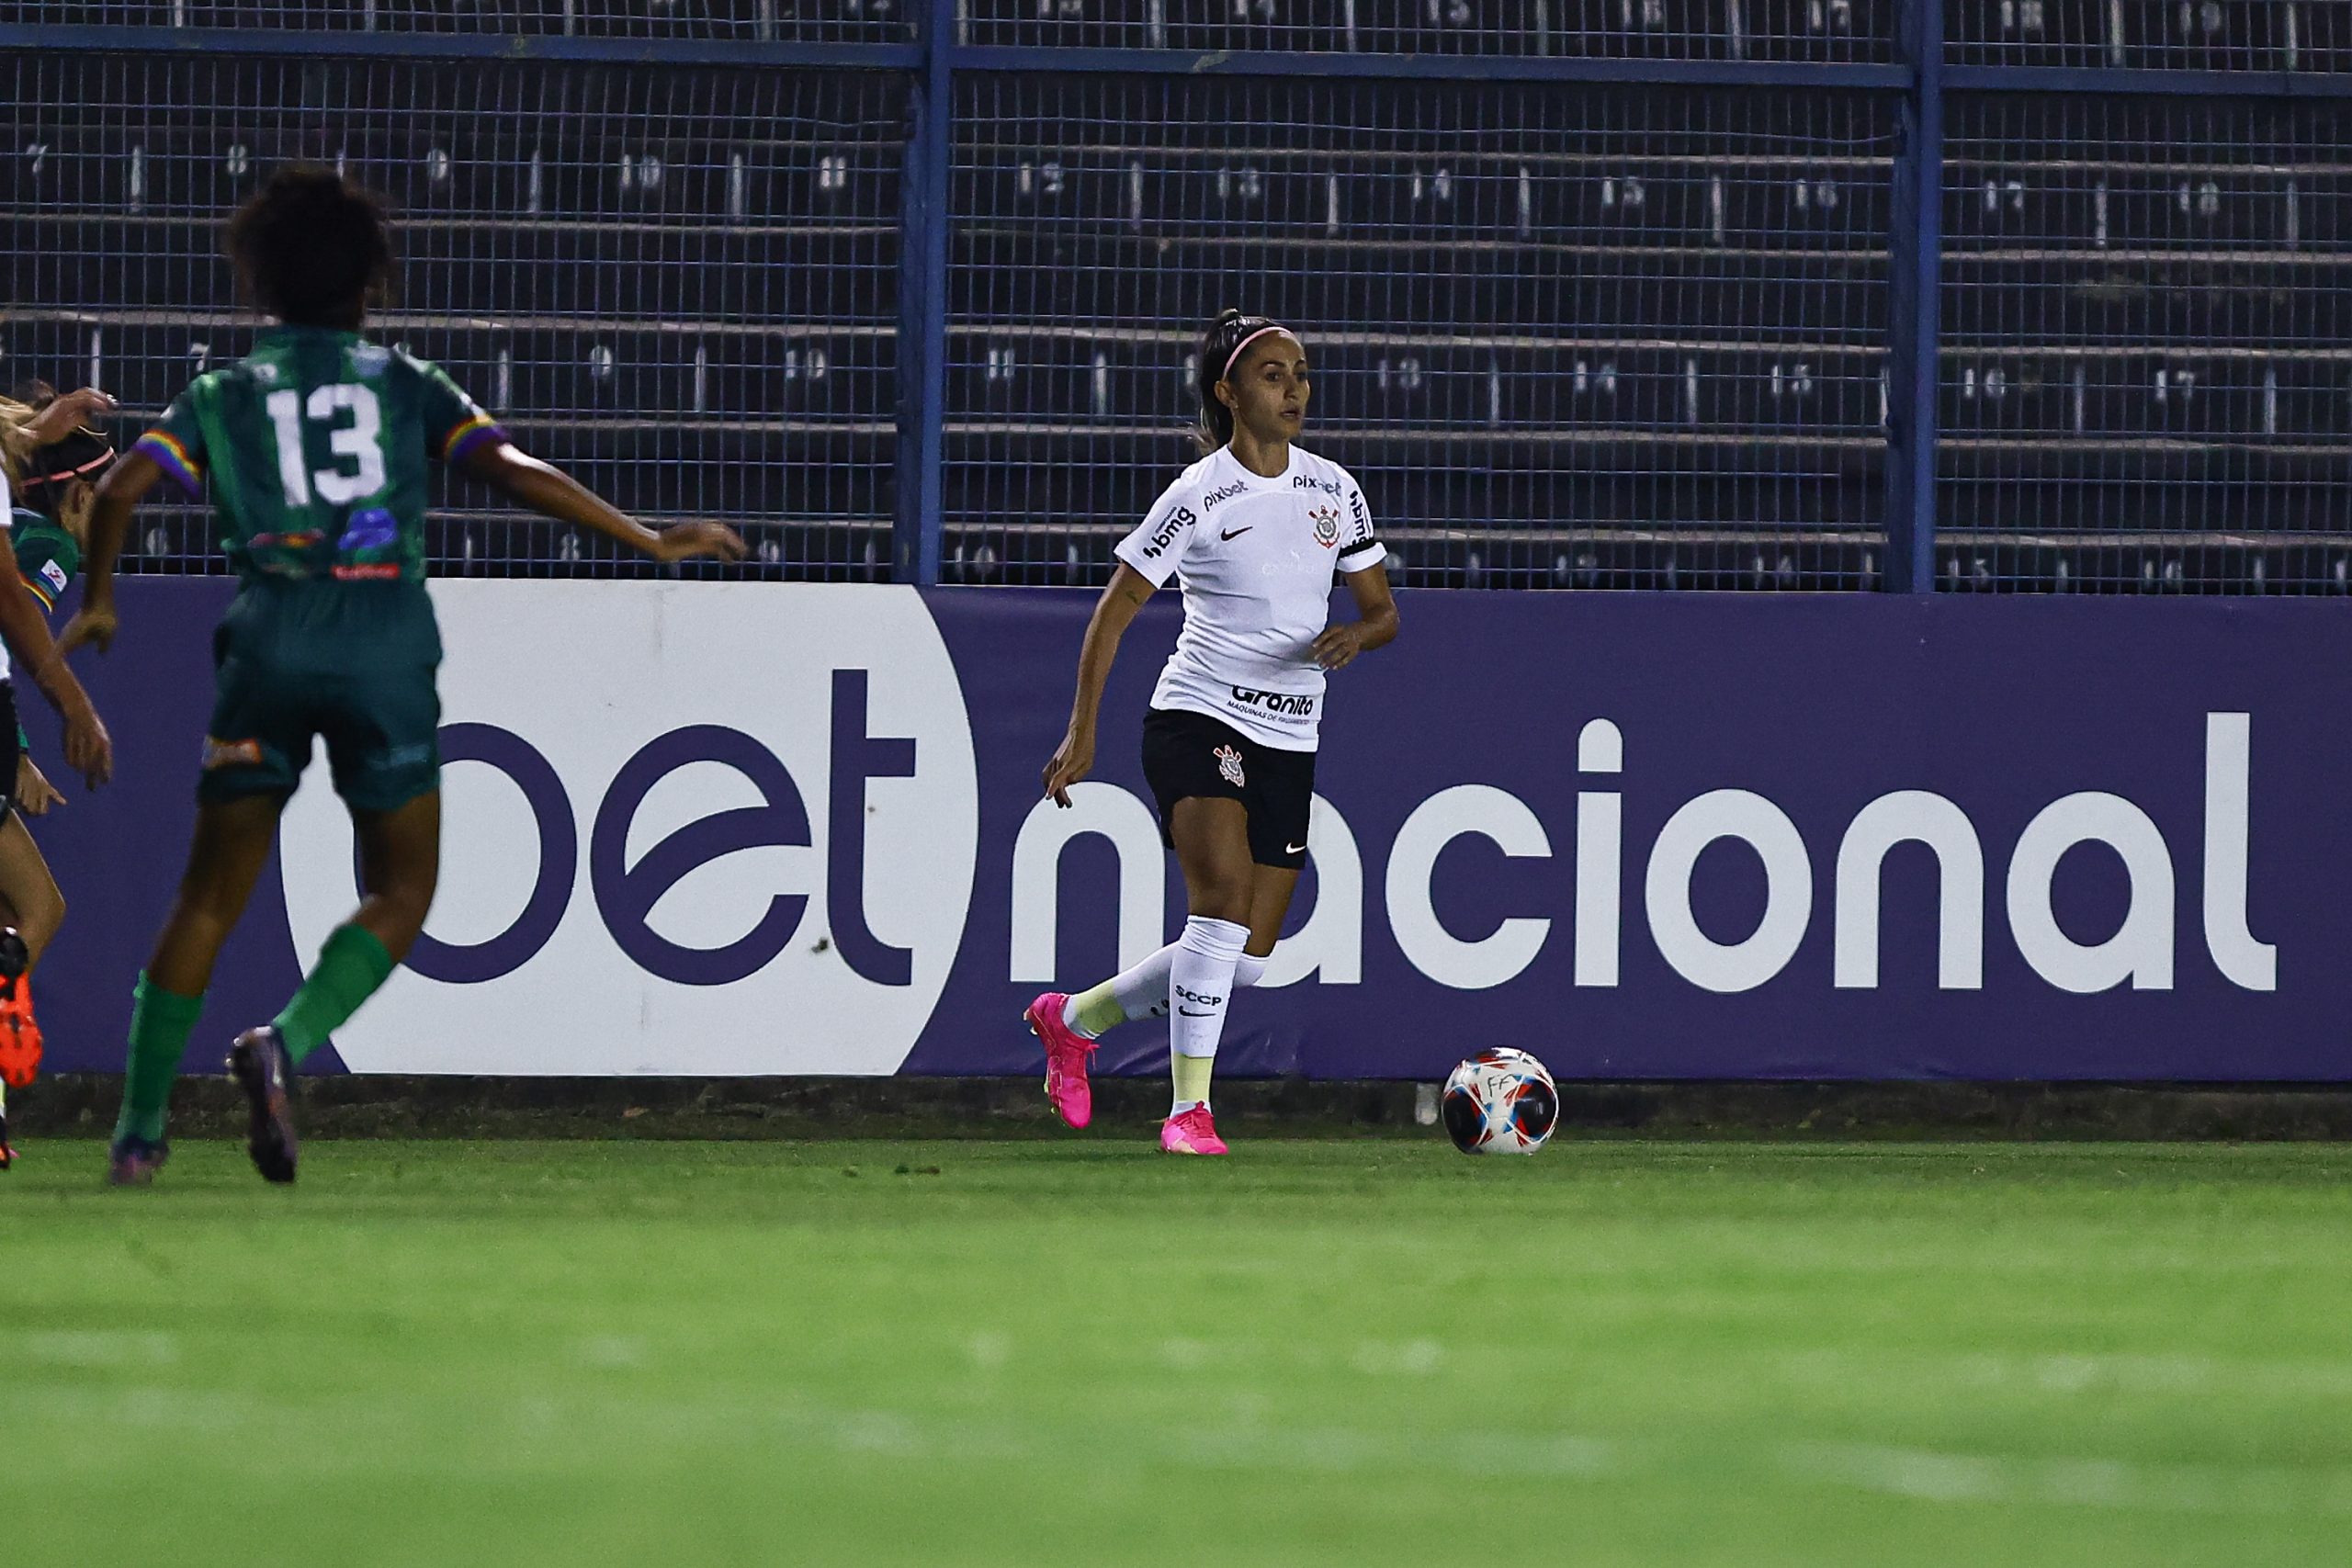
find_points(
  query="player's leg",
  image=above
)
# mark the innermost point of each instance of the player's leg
(226, 858)
(1212, 839)
(399, 859)
(379, 715)
(28, 889)
(400, 864)
(1271, 887)
(1142, 991)
(19, 905)
(31, 909)
(256, 743)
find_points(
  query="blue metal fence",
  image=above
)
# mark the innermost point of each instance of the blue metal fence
(1970, 294)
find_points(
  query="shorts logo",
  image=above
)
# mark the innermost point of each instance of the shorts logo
(1228, 765)
(220, 753)
(1327, 525)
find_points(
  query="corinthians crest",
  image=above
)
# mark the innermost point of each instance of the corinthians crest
(1327, 525)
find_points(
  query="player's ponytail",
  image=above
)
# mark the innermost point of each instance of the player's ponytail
(1220, 342)
(16, 439)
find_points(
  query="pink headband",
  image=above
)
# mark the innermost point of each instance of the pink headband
(98, 462)
(1234, 358)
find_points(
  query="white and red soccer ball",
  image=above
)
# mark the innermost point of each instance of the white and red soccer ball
(1500, 1102)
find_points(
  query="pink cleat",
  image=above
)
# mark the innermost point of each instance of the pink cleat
(1066, 1053)
(1191, 1134)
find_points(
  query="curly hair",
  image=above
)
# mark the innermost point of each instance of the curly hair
(313, 248)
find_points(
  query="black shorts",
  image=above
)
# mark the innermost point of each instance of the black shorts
(1187, 754)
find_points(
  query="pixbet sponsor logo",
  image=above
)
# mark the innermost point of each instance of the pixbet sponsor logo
(1210, 502)
(745, 822)
(2141, 953)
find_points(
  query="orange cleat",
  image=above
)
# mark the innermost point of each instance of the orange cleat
(19, 1034)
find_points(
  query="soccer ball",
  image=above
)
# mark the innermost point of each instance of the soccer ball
(1500, 1102)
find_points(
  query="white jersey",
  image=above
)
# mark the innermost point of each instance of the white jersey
(1255, 556)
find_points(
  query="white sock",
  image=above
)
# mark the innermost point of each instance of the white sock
(1200, 984)
(1142, 991)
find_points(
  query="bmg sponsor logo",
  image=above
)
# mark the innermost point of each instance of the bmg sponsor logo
(1165, 535)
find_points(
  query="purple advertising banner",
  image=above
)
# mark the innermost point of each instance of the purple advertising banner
(744, 828)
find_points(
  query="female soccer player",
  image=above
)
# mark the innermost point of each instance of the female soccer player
(1254, 531)
(316, 445)
(25, 889)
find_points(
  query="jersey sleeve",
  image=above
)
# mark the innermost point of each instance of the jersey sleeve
(175, 442)
(454, 423)
(1361, 549)
(1161, 538)
(38, 563)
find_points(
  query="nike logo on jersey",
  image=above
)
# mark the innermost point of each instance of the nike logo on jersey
(1233, 534)
(1190, 1013)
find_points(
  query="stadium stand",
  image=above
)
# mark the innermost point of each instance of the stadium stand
(1572, 333)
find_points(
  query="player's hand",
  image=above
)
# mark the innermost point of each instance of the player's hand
(68, 412)
(684, 541)
(35, 794)
(1073, 760)
(89, 750)
(1338, 647)
(91, 624)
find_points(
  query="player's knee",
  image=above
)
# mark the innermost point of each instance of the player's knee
(47, 921)
(407, 901)
(1218, 900)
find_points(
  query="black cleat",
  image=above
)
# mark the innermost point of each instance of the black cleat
(258, 1065)
(134, 1162)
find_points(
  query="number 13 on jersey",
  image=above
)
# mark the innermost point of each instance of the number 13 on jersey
(356, 428)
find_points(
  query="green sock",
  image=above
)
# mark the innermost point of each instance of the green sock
(160, 1023)
(350, 966)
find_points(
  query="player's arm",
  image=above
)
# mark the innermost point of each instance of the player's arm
(1114, 613)
(88, 749)
(64, 413)
(1364, 561)
(35, 794)
(126, 484)
(1374, 626)
(551, 492)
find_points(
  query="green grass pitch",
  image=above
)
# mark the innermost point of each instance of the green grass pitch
(1340, 1352)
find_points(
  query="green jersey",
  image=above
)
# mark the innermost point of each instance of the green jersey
(47, 557)
(316, 445)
